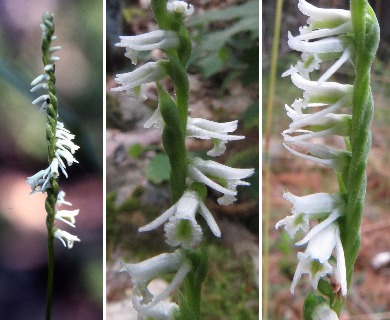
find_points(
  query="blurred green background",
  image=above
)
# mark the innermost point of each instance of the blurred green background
(23, 152)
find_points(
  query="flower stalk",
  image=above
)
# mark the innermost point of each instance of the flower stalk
(60, 151)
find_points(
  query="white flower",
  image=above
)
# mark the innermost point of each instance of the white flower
(327, 156)
(66, 238)
(310, 207)
(218, 132)
(325, 18)
(182, 228)
(324, 312)
(309, 63)
(202, 129)
(205, 171)
(327, 93)
(149, 72)
(61, 199)
(39, 181)
(158, 39)
(180, 7)
(67, 216)
(161, 311)
(143, 272)
(315, 260)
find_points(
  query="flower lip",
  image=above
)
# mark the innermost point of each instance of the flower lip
(186, 208)
(180, 7)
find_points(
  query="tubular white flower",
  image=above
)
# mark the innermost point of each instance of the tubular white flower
(67, 216)
(180, 7)
(315, 259)
(311, 207)
(66, 238)
(326, 18)
(327, 156)
(61, 199)
(64, 139)
(218, 132)
(149, 72)
(182, 216)
(143, 272)
(39, 181)
(158, 39)
(206, 170)
(202, 129)
(328, 92)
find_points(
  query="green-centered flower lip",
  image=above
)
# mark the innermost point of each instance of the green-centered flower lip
(180, 7)
(318, 253)
(186, 208)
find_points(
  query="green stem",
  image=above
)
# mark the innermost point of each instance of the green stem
(271, 95)
(50, 274)
(51, 125)
(366, 40)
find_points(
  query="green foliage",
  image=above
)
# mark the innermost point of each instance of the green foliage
(135, 150)
(158, 169)
(231, 292)
(230, 43)
(250, 118)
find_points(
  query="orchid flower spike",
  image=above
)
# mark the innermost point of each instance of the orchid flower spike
(182, 228)
(143, 272)
(158, 39)
(205, 171)
(323, 39)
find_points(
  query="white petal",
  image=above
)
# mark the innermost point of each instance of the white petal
(159, 220)
(321, 226)
(151, 268)
(207, 215)
(315, 203)
(320, 14)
